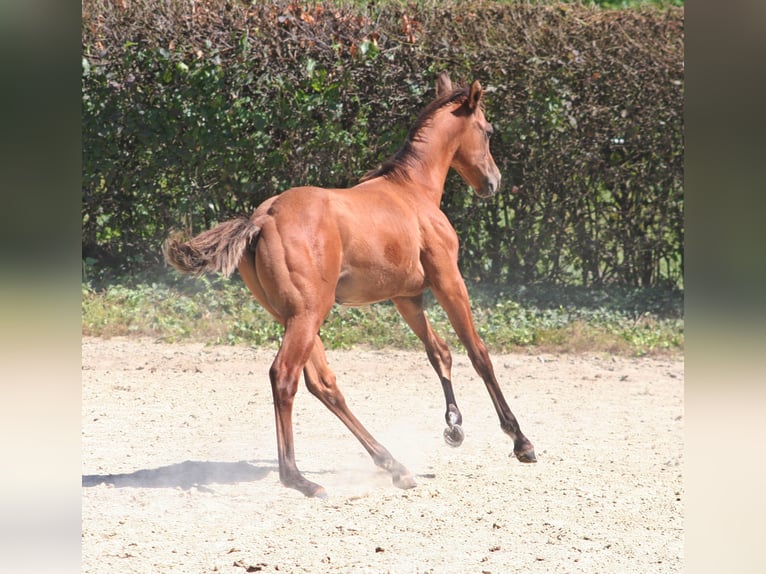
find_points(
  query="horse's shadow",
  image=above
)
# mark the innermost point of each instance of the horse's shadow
(187, 475)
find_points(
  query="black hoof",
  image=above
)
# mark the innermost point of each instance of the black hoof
(454, 435)
(526, 456)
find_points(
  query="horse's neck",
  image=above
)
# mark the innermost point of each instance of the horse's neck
(435, 155)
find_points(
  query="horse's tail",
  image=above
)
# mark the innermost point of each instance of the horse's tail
(218, 249)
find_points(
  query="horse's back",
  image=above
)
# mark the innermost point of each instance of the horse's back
(363, 241)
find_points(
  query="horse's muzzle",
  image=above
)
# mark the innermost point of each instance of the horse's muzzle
(490, 187)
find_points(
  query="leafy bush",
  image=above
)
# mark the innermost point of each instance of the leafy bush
(194, 111)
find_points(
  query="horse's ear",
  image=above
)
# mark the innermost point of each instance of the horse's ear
(443, 85)
(474, 96)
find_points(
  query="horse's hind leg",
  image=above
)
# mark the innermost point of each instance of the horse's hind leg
(320, 380)
(284, 374)
(411, 309)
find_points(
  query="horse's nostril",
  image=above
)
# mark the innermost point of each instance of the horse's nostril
(492, 186)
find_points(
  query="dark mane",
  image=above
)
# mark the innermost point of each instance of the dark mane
(396, 167)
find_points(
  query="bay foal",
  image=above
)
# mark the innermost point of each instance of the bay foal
(386, 238)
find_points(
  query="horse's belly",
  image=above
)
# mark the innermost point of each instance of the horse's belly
(363, 286)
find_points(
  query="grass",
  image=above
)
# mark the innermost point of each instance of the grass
(633, 322)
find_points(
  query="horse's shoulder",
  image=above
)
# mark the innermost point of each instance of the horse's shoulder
(437, 233)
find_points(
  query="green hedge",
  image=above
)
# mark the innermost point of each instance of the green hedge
(194, 111)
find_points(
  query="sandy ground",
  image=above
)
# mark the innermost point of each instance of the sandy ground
(180, 473)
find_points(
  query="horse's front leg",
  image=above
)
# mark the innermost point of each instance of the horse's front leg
(452, 295)
(411, 309)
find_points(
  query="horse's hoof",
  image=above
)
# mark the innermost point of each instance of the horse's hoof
(404, 481)
(454, 435)
(526, 455)
(307, 488)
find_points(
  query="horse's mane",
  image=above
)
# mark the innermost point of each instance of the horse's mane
(396, 167)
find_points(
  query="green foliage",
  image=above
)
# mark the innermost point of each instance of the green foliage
(622, 4)
(613, 320)
(193, 112)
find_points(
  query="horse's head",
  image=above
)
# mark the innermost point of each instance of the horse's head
(473, 160)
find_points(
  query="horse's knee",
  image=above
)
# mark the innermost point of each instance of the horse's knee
(482, 364)
(445, 356)
(440, 357)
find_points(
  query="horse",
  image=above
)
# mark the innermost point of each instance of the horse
(386, 238)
